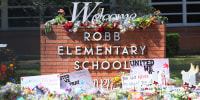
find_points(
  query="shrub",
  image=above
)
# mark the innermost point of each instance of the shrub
(172, 44)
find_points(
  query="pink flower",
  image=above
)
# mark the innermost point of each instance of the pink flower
(62, 12)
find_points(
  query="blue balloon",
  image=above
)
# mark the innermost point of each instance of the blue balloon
(38, 91)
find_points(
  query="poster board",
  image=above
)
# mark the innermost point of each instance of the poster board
(78, 79)
(52, 82)
(152, 69)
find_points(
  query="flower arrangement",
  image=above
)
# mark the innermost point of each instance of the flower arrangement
(123, 24)
(185, 93)
(117, 82)
(160, 19)
(8, 65)
(15, 92)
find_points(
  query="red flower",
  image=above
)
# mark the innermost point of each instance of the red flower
(88, 24)
(189, 98)
(81, 24)
(68, 26)
(100, 29)
(106, 24)
(14, 58)
(12, 68)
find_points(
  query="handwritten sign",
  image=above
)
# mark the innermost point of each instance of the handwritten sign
(151, 69)
(78, 79)
(136, 82)
(52, 82)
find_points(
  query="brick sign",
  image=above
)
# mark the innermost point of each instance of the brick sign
(104, 54)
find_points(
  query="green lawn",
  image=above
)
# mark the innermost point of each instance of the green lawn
(29, 67)
(178, 64)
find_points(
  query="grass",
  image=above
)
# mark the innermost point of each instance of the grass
(179, 64)
(27, 68)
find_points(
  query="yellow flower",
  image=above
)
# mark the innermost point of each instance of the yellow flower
(50, 94)
(7, 82)
(7, 49)
(116, 79)
(11, 65)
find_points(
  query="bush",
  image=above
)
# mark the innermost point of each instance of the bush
(8, 65)
(172, 44)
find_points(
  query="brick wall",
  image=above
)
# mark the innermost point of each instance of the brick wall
(153, 38)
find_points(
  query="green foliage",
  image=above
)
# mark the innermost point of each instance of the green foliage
(172, 44)
(47, 28)
(162, 19)
(143, 22)
(59, 18)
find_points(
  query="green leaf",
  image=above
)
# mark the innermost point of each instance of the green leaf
(63, 19)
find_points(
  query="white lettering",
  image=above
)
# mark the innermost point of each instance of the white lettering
(88, 52)
(83, 64)
(108, 50)
(133, 50)
(125, 51)
(142, 48)
(86, 36)
(85, 8)
(107, 36)
(99, 49)
(68, 51)
(120, 65)
(107, 64)
(100, 36)
(93, 65)
(116, 36)
(60, 48)
(78, 48)
(77, 64)
(117, 49)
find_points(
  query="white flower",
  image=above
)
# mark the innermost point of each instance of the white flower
(182, 89)
(154, 90)
(120, 27)
(75, 29)
(192, 95)
(153, 86)
(198, 85)
(131, 27)
(128, 22)
(122, 31)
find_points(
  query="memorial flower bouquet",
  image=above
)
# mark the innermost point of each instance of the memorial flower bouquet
(8, 65)
(117, 82)
(160, 19)
(185, 93)
(122, 22)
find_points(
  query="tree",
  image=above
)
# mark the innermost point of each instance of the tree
(140, 7)
(48, 8)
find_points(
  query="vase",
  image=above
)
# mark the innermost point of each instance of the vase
(158, 21)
